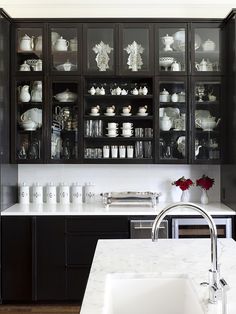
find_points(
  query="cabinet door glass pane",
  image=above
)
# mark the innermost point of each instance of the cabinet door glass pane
(64, 46)
(64, 131)
(172, 49)
(172, 121)
(136, 49)
(207, 121)
(100, 49)
(207, 50)
(29, 48)
(29, 120)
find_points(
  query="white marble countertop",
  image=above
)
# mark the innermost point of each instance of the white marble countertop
(177, 257)
(98, 209)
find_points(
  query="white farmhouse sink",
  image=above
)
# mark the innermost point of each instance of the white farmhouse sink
(150, 294)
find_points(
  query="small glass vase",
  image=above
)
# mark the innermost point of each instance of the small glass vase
(204, 197)
(185, 196)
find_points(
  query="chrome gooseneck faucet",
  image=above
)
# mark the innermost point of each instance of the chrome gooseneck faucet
(215, 284)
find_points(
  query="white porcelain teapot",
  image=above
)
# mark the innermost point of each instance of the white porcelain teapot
(202, 66)
(25, 66)
(66, 96)
(207, 123)
(165, 123)
(61, 44)
(26, 43)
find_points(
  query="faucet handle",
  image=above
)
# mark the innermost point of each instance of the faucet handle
(224, 288)
(224, 284)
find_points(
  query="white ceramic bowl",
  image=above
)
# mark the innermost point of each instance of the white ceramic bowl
(166, 62)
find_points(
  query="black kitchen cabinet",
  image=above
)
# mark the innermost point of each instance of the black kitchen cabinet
(49, 259)
(17, 269)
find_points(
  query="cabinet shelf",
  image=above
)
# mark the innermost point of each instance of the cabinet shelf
(118, 138)
(118, 117)
(172, 104)
(30, 103)
(119, 160)
(119, 96)
(207, 103)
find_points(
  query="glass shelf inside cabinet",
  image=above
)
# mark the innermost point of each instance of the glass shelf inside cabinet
(64, 47)
(29, 108)
(65, 118)
(207, 50)
(135, 47)
(207, 121)
(100, 50)
(29, 49)
(172, 121)
(172, 47)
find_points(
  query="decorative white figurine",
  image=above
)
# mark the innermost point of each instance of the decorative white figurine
(134, 60)
(102, 50)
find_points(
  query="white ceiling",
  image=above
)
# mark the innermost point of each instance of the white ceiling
(118, 8)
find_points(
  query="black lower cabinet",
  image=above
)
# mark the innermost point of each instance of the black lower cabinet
(16, 259)
(48, 258)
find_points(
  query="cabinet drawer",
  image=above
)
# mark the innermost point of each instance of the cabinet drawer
(81, 248)
(97, 224)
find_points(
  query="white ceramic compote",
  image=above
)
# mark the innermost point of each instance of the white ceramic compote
(167, 42)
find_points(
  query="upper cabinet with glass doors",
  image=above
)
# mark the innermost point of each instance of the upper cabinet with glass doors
(29, 49)
(171, 47)
(206, 50)
(65, 48)
(99, 49)
(136, 49)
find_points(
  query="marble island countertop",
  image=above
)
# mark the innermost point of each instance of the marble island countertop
(99, 209)
(189, 257)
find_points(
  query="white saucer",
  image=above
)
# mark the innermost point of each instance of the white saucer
(126, 135)
(109, 114)
(126, 114)
(109, 135)
(29, 129)
(142, 114)
(94, 114)
(112, 128)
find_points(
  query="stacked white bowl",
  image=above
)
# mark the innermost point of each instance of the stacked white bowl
(112, 128)
(127, 129)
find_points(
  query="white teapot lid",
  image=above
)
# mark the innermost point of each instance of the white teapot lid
(164, 92)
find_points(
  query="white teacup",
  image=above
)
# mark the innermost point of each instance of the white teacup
(127, 132)
(94, 110)
(110, 110)
(127, 125)
(142, 109)
(126, 109)
(112, 125)
(112, 132)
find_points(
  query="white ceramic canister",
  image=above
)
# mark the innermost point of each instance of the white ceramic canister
(89, 191)
(37, 195)
(51, 194)
(24, 194)
(77, 193)
(64, 194)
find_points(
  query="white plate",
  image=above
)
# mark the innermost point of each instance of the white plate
(109, 114)
(94, 114)
(109, 135)
(179, 40)
(126, 114)
(142, 114)
(126, 135)
(34, 114)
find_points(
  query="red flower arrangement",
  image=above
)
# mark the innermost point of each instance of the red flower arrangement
(205, 182)
(183, 184)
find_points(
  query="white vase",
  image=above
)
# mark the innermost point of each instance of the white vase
(185, 196)
(204, 197)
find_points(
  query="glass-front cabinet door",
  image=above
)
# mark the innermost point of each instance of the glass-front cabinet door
(171, 45)
(206, 49)
(136, 49)
(99, 48)
(207, 121)
(28, 101)
(29, 47)
(65, 122)
(65, 48)
(173, 117)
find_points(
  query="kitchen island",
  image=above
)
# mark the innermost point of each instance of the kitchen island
(189, 257)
